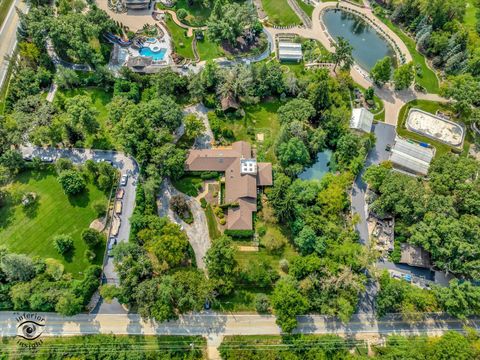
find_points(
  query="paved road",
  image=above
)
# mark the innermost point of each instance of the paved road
(385, 134)
(241, 324)
(126, 165)
(8, 36)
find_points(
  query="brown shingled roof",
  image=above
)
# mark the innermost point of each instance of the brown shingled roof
(264, 174)
(240, 187)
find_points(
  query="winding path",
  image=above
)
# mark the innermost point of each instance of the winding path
(393, 100)
(177, 21)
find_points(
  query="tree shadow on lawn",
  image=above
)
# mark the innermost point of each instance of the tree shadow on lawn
(80, 200)
(31, 210)
(68, 256)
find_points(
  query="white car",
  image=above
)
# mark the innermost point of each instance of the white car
(123, 180)
(47, 159)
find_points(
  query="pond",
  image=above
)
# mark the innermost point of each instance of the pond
(318, 170)
(368, 45)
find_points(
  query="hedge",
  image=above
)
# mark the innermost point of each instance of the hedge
(239, 233)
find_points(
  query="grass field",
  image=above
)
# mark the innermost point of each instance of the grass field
(428, 79)
(306, 7)
(4, 9)
(197, 13)
(107, 347)
(31, 232)
(260, 118)
(181, 42)
(208, 50)
(188, 185)
(470, 22)
(100, 99)
(431, 107)
(280, 13)
(212, 223)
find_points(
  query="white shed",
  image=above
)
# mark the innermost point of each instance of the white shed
(289, 51)
(362, 120)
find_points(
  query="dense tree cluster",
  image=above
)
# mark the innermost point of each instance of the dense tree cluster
(441, 35)
(40, 285)
(441, 215)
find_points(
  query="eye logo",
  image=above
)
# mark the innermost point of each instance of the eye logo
(30, 330)
(30, 326)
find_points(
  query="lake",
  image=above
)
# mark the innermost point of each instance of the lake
(318, 170)
(368, 45)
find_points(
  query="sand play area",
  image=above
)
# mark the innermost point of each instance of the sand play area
(435, 127)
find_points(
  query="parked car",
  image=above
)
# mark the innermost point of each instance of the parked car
(47, 159)
(123, 180)
(104, 160)
(388, 147)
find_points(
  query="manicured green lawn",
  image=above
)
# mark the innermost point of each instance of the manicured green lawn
(431, 107)
(306, 7)
(4, 9)
(470, 21)
(100, 99)
(197, 13)
(280, 13)
(188, 185)
(212, 223)
(209, 50)
(106, 346)
(260, 118)
(31, 232)
(181, 42)
(428, 79)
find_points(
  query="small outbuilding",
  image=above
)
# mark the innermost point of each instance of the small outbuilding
(361, 120)
(415, 256)
(289, 51)
(411, 157)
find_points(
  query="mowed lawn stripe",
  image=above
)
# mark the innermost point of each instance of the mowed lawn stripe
(56, 214)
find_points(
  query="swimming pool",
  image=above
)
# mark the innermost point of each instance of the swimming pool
(156, 55)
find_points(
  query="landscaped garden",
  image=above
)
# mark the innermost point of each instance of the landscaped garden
(196, 14)
(182, 43)
(260, 119)
(280, 13)
(31, 230)
(428, 79)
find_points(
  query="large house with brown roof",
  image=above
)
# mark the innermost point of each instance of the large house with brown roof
(243, 174)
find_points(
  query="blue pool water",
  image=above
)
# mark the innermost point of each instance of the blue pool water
(159, 55)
